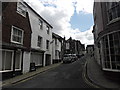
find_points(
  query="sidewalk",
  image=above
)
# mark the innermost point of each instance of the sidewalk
(27, 75)
(97, 77)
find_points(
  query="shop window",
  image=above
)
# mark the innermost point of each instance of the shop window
(7, 59)
(111, 43)
(113, 65)
(115, 35)
(36, 58)
(111, 51)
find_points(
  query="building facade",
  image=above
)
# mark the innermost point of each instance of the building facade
(72, 46)
(16, 39)
(107, 35)
(90, 50)
(56, 48)
(41, 47)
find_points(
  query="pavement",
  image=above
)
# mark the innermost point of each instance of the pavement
(96, 76)
(25, 76)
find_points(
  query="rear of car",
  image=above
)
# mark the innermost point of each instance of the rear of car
(67, 59)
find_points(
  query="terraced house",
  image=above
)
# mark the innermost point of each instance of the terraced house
(57, 50)
(16, 39)
(41, 47)
(26, 39)
(107, 35)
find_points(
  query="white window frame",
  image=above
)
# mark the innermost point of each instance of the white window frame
(11, 61)
(18, 3)
(103, 64)
(12, 35)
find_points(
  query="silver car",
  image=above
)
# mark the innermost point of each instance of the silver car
(67, 58)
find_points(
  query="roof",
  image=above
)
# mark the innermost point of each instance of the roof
(38, 14)
(56, 36)
(90, 45)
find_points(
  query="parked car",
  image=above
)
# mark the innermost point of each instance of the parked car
(68, 58)
(74, 56)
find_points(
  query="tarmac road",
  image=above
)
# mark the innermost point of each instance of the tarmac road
(64, 76)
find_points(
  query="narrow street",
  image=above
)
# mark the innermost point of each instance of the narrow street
(64, 76)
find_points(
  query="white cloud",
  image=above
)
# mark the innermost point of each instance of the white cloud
(59, 12)
(84, 5)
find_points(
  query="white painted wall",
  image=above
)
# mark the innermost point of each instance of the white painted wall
(36, 31)
(26, 62)
(56, 47)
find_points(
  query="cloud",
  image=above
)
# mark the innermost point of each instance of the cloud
(59, 12)
(85, 6)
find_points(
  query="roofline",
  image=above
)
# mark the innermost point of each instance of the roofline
(56, 35)
(38, 14)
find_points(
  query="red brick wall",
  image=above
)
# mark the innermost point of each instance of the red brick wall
(11, 17)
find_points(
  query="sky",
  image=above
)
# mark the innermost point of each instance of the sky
(69, 18)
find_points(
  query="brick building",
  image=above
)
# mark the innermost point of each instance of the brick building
(16, 38)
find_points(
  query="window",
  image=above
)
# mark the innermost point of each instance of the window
(56, 42)
(113, 10)
(47, 44)
(48, 29)
(41, 24)
(111, 50)
(37, 58)
(7, 58)
(21, 9)
(67, 46)
(17, 35)
(39, 41)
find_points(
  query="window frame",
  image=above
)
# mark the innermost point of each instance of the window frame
(12, 31)
(48, 29)
(40, 61)
(18, 3)
(11, 60)
(47, 44)
(41, 24)
(110, 10)
(109, 59)
(39, 41)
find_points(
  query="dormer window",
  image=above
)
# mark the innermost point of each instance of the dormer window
(21, 9)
